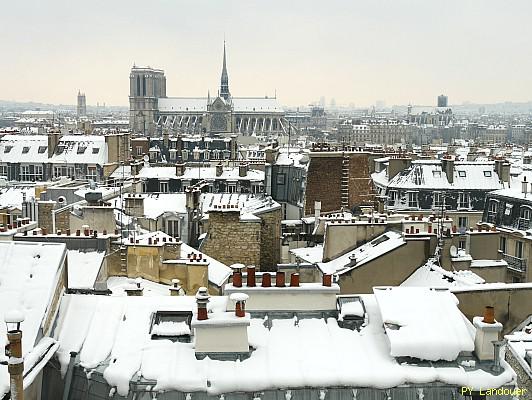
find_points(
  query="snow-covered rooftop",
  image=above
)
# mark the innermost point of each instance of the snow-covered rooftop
(380, 245)
(29, 275)
(13, 196)
(80, 149)
(31, 149)
(432, 275)
(204, 173)
(112, 335)
(240, 104)
(83, 268)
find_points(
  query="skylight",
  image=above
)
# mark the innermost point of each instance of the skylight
(25, 149)
(42, 149)
(487, 174)
(462, 174)
(81, 149)
(7, 149)
(95, 150)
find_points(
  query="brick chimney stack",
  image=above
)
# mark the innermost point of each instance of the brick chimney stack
(202, 299)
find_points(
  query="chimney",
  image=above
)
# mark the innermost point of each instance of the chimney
(53, 141)
(237, 274)
(266, 280)
(243, 169)
(219, 169)
(502, 169)
(180, 169)
(294, 280)
(524, 186)
(327, 280)
(234, 147)
(488, 330)
(202, 298)
(240, 303)
(279, 279)
(317, 212)
(397, 164)
(137, 289)
(251, 282)
(176, 289)
(166, 139)
(447, 166)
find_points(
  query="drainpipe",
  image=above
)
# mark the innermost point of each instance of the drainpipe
(68, 377)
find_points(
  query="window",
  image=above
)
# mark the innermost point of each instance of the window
(7, 149)
(92, 173)
(95, 150)
(25, 150)
(502, 244)
(462, 222)
(412, 200)
(184, 154)
(462, 244)
(231, 188)
(519, 249)
(487, 174)
(463, 200)
(38, 173)
(392, 197)
(172, 228)
(436, 174)
(281, 178)
(462, 174)
(438, 199)
(163, 187)
(81, 149)
(25, 173)
(42, 149)
(492, 208)
(3, 170)
(525, 213)
(139, 150)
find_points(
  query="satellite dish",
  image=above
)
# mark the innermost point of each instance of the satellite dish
(453, 251)
(146, 158)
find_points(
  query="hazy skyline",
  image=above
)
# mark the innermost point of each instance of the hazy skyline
(355, 52)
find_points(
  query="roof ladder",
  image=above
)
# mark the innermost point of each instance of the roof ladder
(123, 259)
(344, 182)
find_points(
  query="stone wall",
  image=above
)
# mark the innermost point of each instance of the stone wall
(270, 240)
(45, 214)
(231, 241)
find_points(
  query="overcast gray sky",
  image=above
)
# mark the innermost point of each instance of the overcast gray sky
(355, 51)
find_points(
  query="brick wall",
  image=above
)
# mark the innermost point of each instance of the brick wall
(324, 181)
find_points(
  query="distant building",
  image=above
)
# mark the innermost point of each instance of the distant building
(442, 101)
(152, 111)
(82, 105)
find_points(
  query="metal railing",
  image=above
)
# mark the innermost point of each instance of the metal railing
(515, 263)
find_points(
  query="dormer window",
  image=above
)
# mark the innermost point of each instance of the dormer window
(25, 150)
(462, 174)
(492, 207)
(436, 174)
(81, 149)
(7, 149)
(525, 212)
(95, 150)
(42, 149)
(487, 174)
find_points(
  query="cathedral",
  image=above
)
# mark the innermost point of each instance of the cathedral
(151, 112)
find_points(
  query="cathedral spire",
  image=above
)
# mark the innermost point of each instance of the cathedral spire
(224, 85)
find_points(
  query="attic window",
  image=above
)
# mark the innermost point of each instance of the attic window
(379, 240)
(95, 150)
(487, 174)
(171, 325)
(7, 149)
(42, 149)
(60, 149)
(81, 149)
(25, 150)
(462, 174)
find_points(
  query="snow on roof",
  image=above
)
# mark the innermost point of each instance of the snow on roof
(428, 174)
(310, 255)
(520, 343)
(380, 245)
(122, 172)
(246, 203)
(119, 284)
(83, 268)
(29, 275)
(13, 196)
(423, 323)
(207, 173)
(80, 149)
(432, 275)
(311, 352)
(296, 156)
(157, 204)
(29, 149)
